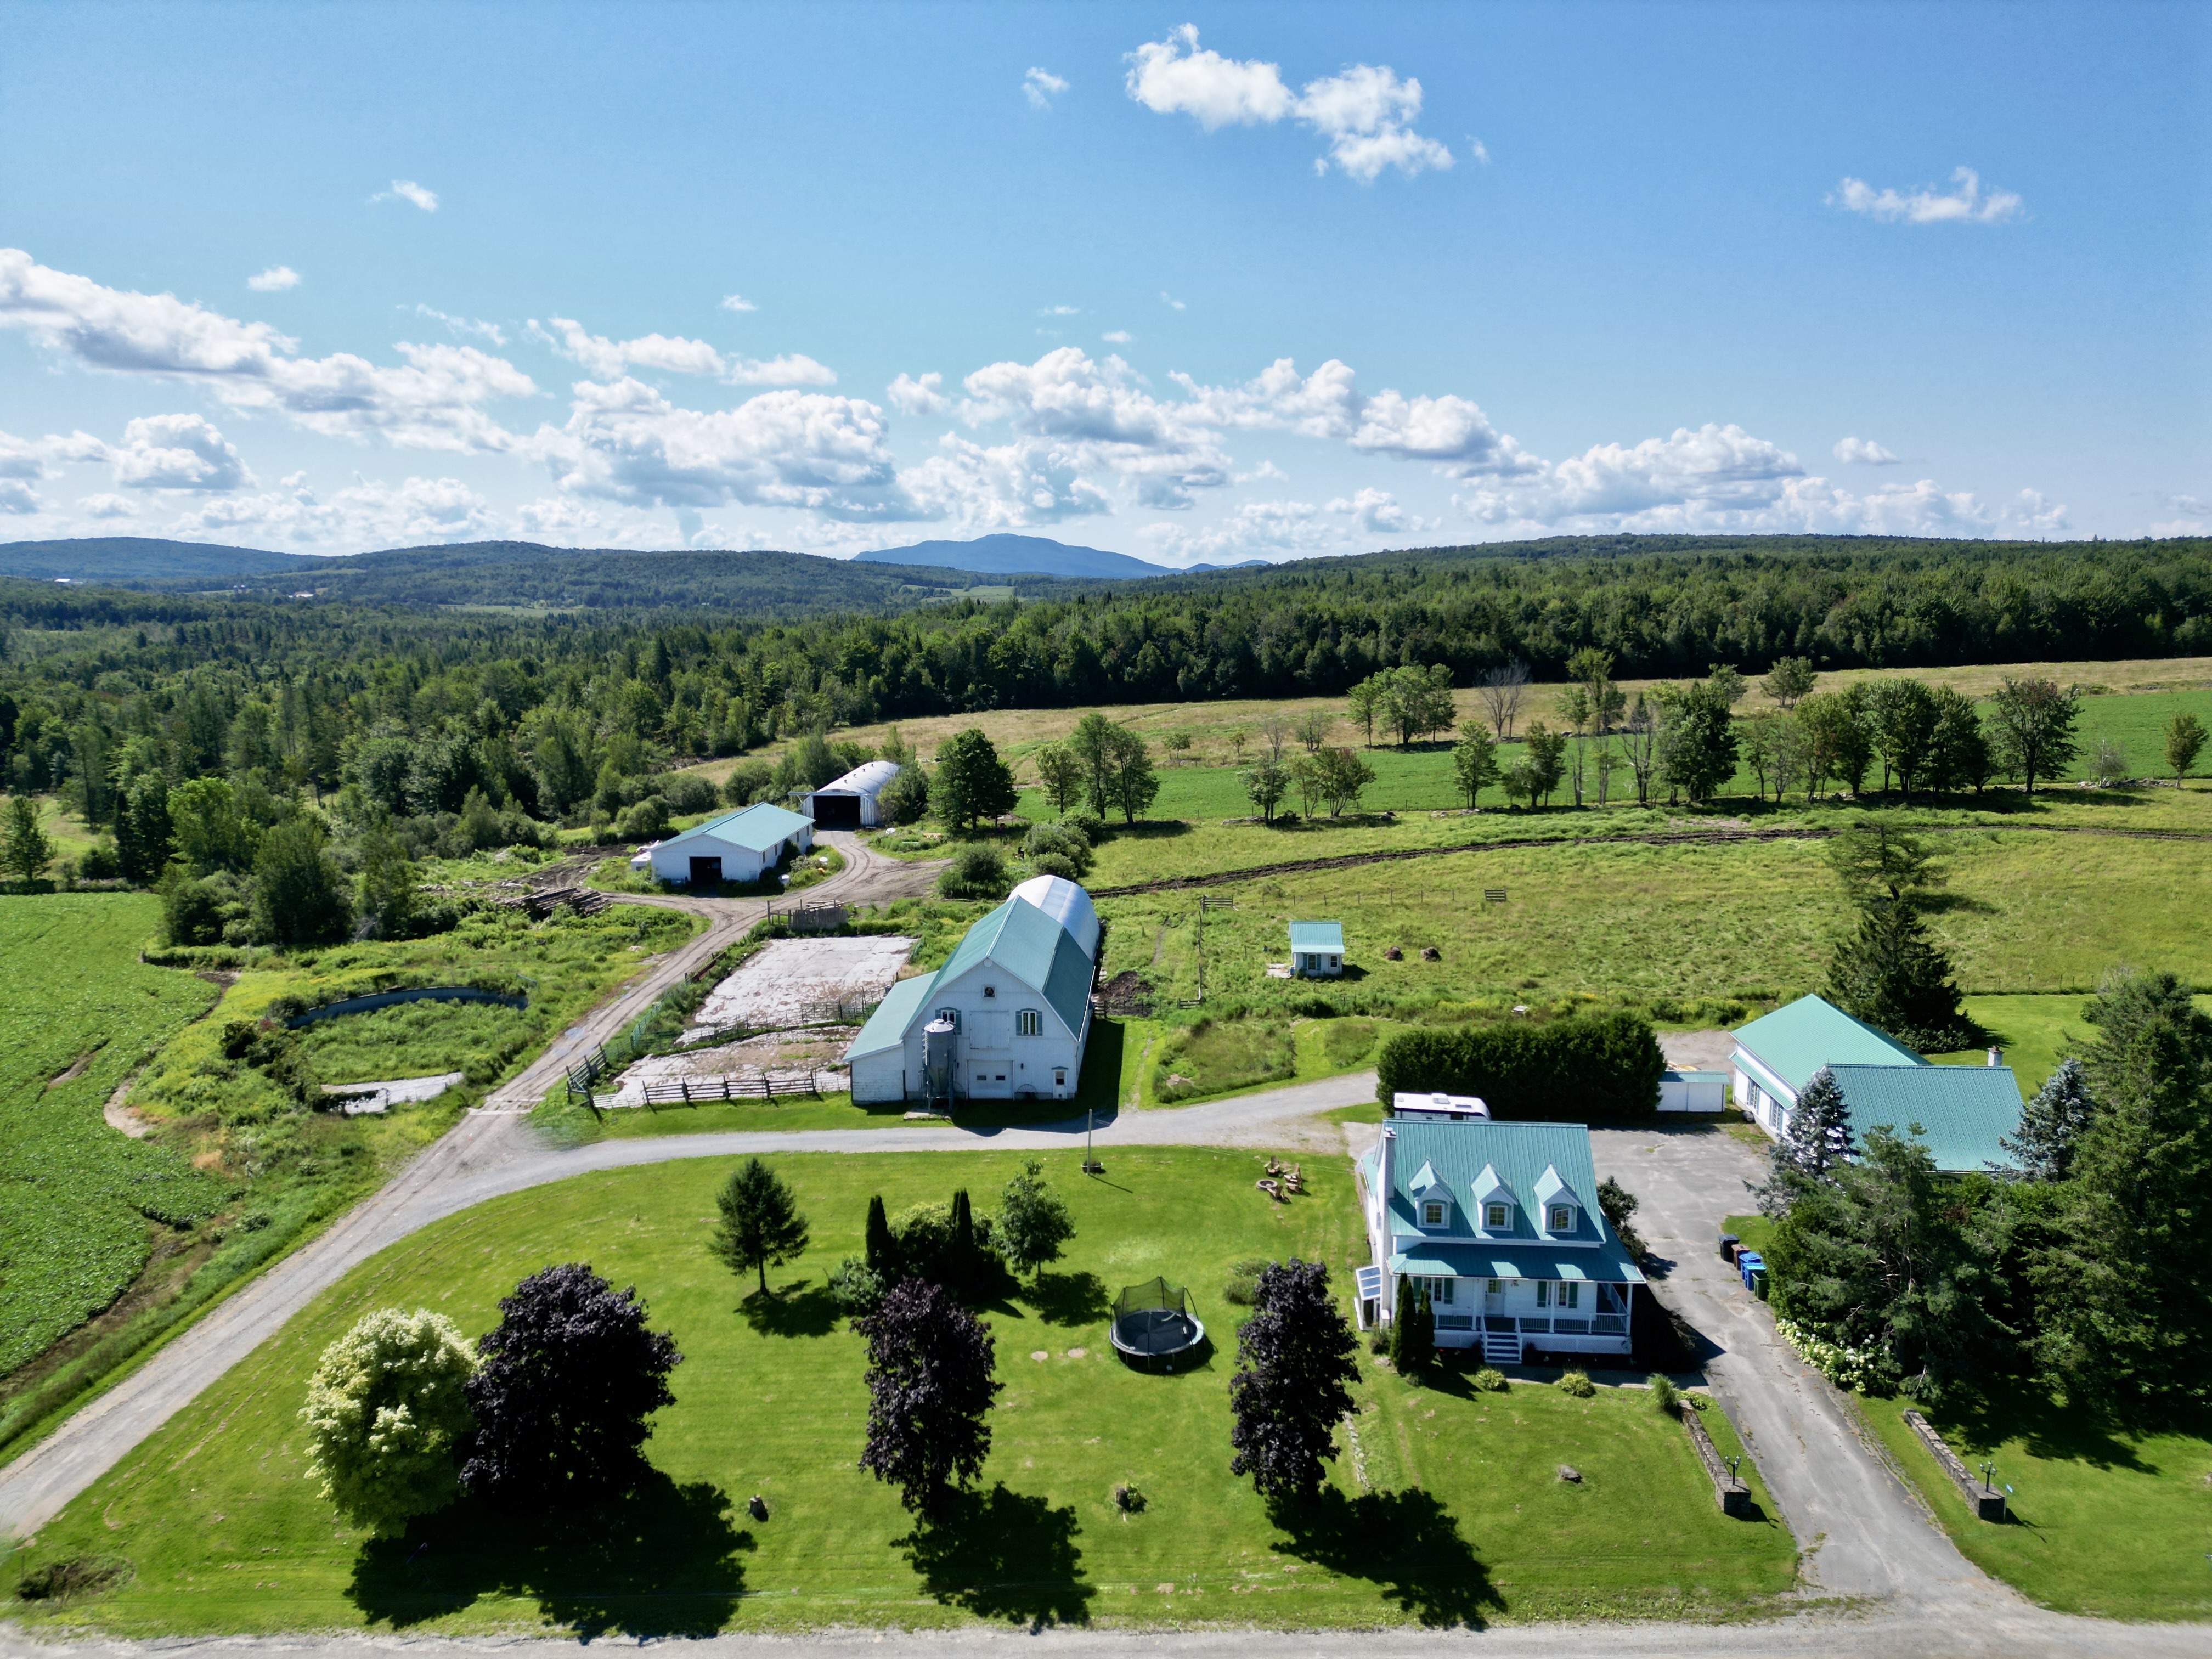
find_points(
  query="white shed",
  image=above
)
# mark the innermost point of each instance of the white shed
(736, 847)
(849, 803)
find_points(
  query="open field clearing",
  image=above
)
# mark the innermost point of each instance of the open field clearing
(238, 1165)
(2105, 1523)
(82, 1205)
(1675, 927)
(1461, 1518)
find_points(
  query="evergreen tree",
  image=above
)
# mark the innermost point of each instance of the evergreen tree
(760, 1225)
(1815, 1142)
(973, 785)
(2184, 736)
(1891, 975)
(1291, 1387)
(2122, 1297)
(2051, 1125)
(142, 827)
(26, 850)
(882, 1249)
(1413, 1328)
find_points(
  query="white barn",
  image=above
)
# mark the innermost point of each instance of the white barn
(849, 803)
(1009, 1014)
(736, 847)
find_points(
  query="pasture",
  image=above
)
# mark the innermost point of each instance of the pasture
(1447, 1511)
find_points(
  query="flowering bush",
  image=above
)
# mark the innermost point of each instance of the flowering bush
(1863, 1370)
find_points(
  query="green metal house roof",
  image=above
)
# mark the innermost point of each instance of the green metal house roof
(755, 828)
(1317, 937)
(887, 1026)
(1800, 1037)
(1522, 1155)
(1036, 950)
(1962, 1110)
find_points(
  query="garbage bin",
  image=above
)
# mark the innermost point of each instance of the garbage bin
(1752, 1266)
(1728, 1247)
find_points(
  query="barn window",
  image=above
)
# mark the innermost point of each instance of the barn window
(951, 1016)
(1059, 1077)
(1029, 1023)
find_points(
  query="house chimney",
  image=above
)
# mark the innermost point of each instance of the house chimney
(1996, 1055)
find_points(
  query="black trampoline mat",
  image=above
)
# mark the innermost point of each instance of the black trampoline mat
(1155, 1331)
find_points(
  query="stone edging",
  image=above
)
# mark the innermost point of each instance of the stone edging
(1732, 1494)
(1988, 1505)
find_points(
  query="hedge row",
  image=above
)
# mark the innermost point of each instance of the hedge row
(1567, 1070)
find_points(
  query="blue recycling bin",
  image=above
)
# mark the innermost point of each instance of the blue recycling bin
(1753, 1265)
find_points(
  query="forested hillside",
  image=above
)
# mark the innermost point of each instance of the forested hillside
(419, 704)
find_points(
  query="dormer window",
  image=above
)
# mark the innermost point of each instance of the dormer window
(1432, 1213)
(1493, 1216)
(1562, 1219)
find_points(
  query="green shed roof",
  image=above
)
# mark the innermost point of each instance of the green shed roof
(1317, 937)
(1800, 1037)
(755, 828)
(1962, 1110)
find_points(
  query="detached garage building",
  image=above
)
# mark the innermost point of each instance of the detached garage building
(736, 847)
(850, 802)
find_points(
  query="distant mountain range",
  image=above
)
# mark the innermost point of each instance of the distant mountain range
(144, 559)
(1006, 555)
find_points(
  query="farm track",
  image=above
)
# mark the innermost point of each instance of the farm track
(1660, 838)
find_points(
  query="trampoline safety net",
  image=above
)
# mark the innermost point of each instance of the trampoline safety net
(1154, 1319)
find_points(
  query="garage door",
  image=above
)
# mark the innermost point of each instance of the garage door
(837, 812)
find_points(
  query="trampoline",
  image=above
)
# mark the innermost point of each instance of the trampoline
(1153, 1325)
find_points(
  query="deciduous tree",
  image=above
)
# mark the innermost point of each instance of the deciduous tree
(1265, 786)
(1474, 762)
(1292, 1383)
(386, 1409)
(568, 1378)
(929, 1387)
(2035, 728)
(2184, 737)
(1061, 775)
(1033, 1220)
(299, 896)
(973, 785)
(1790, 681)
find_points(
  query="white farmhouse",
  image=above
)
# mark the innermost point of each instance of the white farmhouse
(1499, 1223)
(1005, 1019)
(736, 847)
(849, 803)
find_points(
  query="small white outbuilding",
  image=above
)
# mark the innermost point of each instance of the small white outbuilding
(849, 803)
(736, 847)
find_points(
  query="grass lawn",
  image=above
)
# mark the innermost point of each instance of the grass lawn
(2035, 1033)
(2104, 1523)
(1460, 1517)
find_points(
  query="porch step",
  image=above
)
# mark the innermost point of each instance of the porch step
(1501, 1348)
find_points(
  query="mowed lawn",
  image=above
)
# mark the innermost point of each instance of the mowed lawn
(2104, 1522)
(1461, 1517)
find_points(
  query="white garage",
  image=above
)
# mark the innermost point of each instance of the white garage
(736, 847)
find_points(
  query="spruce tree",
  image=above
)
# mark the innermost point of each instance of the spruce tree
(1891, 975)
(760, 1225)
(2051, 1125)
(1815, 1141)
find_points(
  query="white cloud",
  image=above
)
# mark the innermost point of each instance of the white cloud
(1375, 511)
(370, 514)
(1117, 337)
(275, 280)
(25, 461)
(1005, 487)
(738, 302)
(923, 397)
(2196, 512)
(1450, 432)
(434, 402)
(1366, 113)
(16, 497)
(1478, 149)
(464, 325)
(1257, 529)
(1169, 300)
(1041, 86)
(1864, 452)
(107, 504)
(1965, 204)
(178, 451)
(406, 190)
(1110, 420)
(625, 442)
(1060, 311)
(608, 359)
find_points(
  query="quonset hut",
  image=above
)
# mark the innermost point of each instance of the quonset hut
(1005, 1019)
(849, 802)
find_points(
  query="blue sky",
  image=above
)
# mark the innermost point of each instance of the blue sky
(1189, 283)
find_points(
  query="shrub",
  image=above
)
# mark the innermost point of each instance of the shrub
(100, 862)
(1060, 840)
(1859, 1370)
(647, 821)
(976, 873)
(1664, 1394)
(1128, 1499)
(687, 791)
(1244, 1286)
(1601, 1067)
(1489, 1380)
(79, 1575)
(1051, 864)
(855, 1289)
(1577, 1383)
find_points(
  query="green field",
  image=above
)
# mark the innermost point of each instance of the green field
(2105, 1523)
(235, 1165)
(80, 1204)
(1460, 1518)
